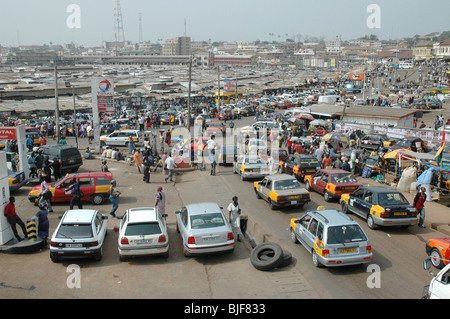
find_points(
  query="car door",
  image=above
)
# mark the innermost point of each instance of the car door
(353, 201)
(289, 166)
(310, 233)
(364, 203)
(61, 194)
(87, 186)
(266, 187)
(112, 138)
(302, 227)
(182, 222)
(100, 227)
(321, 183)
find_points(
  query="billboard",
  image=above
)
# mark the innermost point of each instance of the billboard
(103, 94)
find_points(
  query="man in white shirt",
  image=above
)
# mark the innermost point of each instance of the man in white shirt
(170, 165)
(212, 147)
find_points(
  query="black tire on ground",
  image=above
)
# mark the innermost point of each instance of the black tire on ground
(287, 259)
(266, 256)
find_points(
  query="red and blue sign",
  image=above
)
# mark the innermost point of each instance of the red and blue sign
(104, 86)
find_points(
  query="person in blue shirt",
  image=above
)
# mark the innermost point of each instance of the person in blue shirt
(43, 222)
(30, 142)
(75, 191)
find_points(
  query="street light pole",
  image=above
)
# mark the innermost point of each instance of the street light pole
(75, 116)
(58, 131)
(189, 95)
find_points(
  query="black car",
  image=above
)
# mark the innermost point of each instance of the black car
(419, 104)
(435, 104)
(299, 165)
(228, 154)
(69, 156)
(380, 206)
(109, 128)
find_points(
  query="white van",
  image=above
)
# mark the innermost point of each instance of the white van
(328, 99)
(439, 287)
(406, 65)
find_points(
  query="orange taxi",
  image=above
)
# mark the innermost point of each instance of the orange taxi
(439, 251)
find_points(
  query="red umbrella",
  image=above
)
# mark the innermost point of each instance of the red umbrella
(304, 116)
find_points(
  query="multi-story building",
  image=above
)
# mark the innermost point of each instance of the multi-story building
(177, 46)
(423, 50)
(229, 59)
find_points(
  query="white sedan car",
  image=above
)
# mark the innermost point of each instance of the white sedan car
(80, 234)
(204, 229)
(143, 232)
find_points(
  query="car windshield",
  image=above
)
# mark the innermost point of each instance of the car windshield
(75, 231)
(344, 234)
(207, 221)
(286, 185)
(392, 199)
(343, 178)
(142, 229)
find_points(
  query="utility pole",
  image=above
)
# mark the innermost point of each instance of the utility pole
(218, 84)
(189, 95)
(58, 131)
(75, 116)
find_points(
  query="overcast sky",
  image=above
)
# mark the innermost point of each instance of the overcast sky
(28, 22)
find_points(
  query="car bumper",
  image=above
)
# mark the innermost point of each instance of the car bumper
(144, 251)
(209, 249)
(287, 203)
(254, 174)
(410, 221)
(15, 187)
(339, 261)
(75, 253)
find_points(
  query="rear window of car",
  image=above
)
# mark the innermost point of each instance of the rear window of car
(287, 184)
(343, 178)
(344, 234)
(70, 152)
(392, 199)
(137, 229)
(101, 181)
(207, 221)
(70, 231)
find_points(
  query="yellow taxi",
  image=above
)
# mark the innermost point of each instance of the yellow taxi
(281, 190)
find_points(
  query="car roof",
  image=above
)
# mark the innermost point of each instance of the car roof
(334, 171)
(331, 216)
(79, 216)
(200, 208)
(380, 189)
(89, 174)
(281, 177)
(142, 214)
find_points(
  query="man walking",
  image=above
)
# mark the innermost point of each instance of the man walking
(170, 165)
(13, 218)
(419, 204)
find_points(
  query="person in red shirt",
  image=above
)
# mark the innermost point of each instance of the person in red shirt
(13, 218)
(326, 161)
(419, 204)
(298, 147)
(289, 144)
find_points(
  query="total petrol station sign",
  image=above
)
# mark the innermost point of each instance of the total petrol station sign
(8, 133)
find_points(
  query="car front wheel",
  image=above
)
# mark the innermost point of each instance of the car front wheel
(97, 199)
(436, 258)
(308, 186)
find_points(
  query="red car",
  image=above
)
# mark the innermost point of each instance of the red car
(439, 251)
(332, 183)
(225, 115)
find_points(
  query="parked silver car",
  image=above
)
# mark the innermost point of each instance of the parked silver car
(204, 229)
(143, 232)
(333, 238)
(80, 234)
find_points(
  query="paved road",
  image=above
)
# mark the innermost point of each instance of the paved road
(398, 253)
